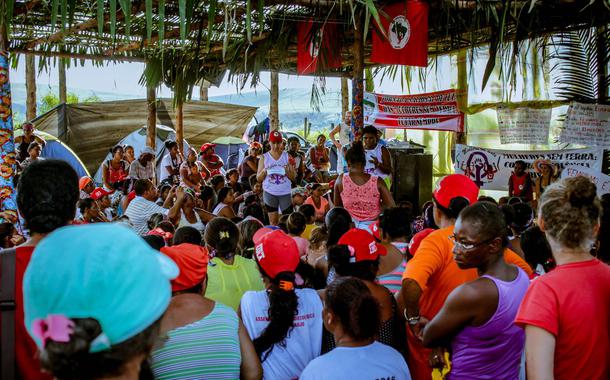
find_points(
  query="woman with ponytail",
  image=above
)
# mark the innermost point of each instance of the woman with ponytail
(285, 323)
(352, 314)
(230, 275)
(565, 313)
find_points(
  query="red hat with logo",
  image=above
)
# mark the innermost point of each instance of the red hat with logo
(417, 239)
(362, 245)
(374, 228)
(275, 251)
(207, 146)
(275, 137)
(99, 193)
(454, 186)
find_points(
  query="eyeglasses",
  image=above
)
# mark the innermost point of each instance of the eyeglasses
(467, 247)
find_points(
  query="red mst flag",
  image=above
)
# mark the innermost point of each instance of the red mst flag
(406, 28)
(320, 48)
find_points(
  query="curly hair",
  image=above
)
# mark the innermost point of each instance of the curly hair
(47, 194)
(570, 210)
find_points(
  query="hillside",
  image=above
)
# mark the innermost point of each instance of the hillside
(294, 104)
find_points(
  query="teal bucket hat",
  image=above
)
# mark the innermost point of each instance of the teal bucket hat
(102, 271)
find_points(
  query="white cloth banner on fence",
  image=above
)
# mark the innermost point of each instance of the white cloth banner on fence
(600, 180)
(523, 125)
(587, 124)
(490, 169)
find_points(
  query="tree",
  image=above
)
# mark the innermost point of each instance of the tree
(50, 101)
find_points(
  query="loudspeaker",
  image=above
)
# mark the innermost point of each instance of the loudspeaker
(412, 177)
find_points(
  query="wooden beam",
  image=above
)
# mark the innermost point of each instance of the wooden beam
(358, 77)
(462, 93)
(344, 97)
(63, 91)
(203, 90)
(180, 127)
(274, 123)
(151, 119)
(30, 87)
(59, 36)
(92, 57)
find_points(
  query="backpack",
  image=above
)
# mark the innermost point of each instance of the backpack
(7, 313)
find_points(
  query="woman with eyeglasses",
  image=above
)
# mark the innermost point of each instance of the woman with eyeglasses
(433, 273)
(476, 321)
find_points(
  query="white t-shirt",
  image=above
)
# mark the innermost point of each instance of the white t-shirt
(167, 161)
(373, 362)
(303, 342)
(140, 210)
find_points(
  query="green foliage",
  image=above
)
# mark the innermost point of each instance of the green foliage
(51, 100)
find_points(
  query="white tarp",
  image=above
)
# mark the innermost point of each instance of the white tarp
(523, 125)
(600, 180)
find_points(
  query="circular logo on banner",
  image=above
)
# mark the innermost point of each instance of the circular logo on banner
(399, 32)
(314, 45)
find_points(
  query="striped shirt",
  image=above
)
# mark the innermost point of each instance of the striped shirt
(206, 349)
(140, 210)
(393, 280)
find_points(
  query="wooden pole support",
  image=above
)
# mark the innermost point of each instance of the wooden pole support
(151, 119)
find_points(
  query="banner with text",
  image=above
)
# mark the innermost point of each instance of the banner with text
(490, 169)
(523, 125)
(600, 180)
(587, 124)
(431, 111)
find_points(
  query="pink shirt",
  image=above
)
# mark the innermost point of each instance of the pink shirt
(320, 212)
(363, 202)
(302, 244)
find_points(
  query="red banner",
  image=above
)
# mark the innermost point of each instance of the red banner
(406, 28)
(431, 111)
(318, 47)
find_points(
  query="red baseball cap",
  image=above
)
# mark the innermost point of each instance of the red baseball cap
(275, 137)
(362, 245)
(374, 228)
(275, 251)
(207, 146)
(417, 239)
(192, 260)
(99, 193)
(453, 186)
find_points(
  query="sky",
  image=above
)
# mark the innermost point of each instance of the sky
(123, 78)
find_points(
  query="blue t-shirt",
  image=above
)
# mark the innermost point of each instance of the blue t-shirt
(373, 362)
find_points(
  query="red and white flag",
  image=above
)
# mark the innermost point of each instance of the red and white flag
(311, 46)
(406, 28)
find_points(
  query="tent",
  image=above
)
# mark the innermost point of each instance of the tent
(90, 129)
(56, 149)
(231, 150)
(137, 139)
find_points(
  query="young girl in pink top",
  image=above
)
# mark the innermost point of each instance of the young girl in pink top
(317, 200)
(361, 194)
(296, 226)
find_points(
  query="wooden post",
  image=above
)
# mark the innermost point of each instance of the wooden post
(344, 97)
(179, 127)
(63, 92)
(203, 90)
(274, 100)
(462, 93)
(305, 129)
(30, 87)
(358, 78)
(151, 119)
(8, 204)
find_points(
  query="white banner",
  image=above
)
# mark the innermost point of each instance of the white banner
(490, 169)
(523, 125)
(587, 124)
(600, 180)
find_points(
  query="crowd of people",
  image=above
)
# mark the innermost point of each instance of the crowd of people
(283, 269)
